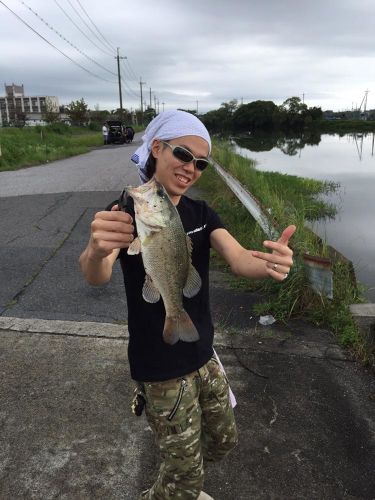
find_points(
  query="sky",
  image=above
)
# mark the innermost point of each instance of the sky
(193, 54)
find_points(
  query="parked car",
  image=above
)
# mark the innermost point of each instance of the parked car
(115, 134)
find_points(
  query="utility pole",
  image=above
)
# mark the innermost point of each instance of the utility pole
(156, 112)
(197, 107)
(118, 57)
(140, 84)
(303, 98)
(150, 98)
(163, 106)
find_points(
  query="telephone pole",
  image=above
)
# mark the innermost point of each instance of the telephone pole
(140, 84)
(118, 57)
(150, 98)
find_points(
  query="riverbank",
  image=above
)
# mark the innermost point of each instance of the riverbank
(289, 200)
(345, 126)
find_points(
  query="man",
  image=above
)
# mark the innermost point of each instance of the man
(183, 385)
(105, 133)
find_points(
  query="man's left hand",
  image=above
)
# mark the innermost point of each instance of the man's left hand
(279, 262)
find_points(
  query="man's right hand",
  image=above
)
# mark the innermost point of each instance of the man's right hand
(109, 231)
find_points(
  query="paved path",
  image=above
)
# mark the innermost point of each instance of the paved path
(305, 414)
(104, 169)
(46, 214)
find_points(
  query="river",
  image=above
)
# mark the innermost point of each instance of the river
(348, 160)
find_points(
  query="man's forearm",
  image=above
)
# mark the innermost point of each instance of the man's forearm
(96, 271)
(248, 266)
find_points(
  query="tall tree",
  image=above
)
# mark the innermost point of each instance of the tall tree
(256, 114)
(51, 113)
(221, 120)
(78, 112)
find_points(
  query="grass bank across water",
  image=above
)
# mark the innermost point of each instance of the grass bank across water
(346, 126)
(288, 200)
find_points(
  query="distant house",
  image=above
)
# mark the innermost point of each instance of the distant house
(16, 107)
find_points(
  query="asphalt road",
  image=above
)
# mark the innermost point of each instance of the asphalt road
(46, 214)
(305, 409)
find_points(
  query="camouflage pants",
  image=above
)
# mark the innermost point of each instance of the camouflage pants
(192, 419)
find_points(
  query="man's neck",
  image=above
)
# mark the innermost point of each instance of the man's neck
(175, 199)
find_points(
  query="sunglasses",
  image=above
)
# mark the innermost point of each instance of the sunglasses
(187, 156)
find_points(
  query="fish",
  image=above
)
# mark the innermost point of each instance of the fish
(166, 254)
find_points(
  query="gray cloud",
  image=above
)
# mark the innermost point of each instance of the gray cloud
(210, 51)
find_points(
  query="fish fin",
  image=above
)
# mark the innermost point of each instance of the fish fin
(135, 247)
(150, 293)
(193, 283)
(179, 328)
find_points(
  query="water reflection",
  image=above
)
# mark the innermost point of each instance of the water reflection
(358, 138)
(347, 159)
(292, 145)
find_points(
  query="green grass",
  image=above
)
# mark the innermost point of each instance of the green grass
(345, 126)
(36, 145)
(288, 200)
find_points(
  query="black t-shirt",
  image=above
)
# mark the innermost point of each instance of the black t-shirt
(150, 358)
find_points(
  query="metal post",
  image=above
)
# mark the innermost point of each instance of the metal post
(140, 84)
(118, 57)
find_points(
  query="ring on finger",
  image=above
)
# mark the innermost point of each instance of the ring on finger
(274, 267)
(285, 276)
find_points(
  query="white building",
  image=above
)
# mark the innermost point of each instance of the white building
(15, 106)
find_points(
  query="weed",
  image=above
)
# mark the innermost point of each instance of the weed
(37, 145)
(289, 200)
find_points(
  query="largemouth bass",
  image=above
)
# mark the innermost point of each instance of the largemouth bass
(166, 254)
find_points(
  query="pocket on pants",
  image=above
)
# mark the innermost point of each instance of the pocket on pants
(170, 406)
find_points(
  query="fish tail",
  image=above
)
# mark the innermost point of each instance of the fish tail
(179, 328)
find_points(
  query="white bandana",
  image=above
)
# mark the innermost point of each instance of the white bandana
(166, 126)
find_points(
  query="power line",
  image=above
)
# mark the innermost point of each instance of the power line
(79, 29)
(126, 70)
(79, 15)
(130, 89)
(131, 70)
(49, 43)
(134, 93)
(97, 29)
(65, 39)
